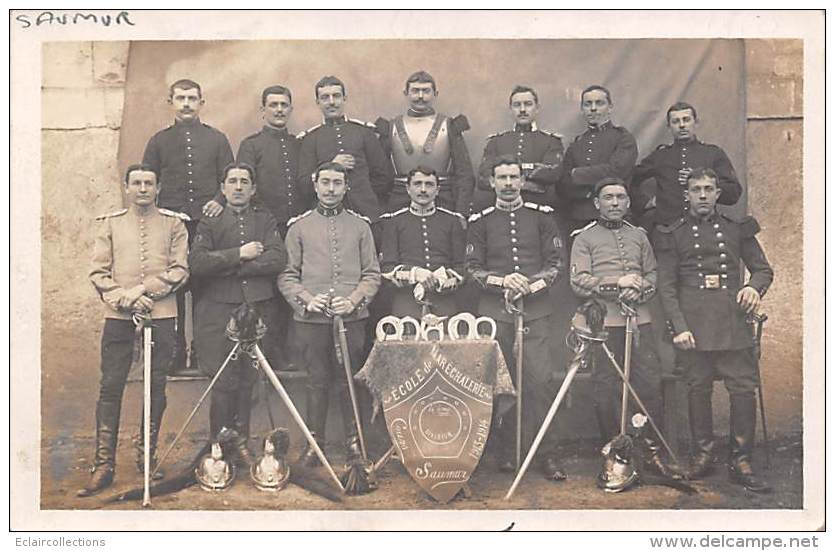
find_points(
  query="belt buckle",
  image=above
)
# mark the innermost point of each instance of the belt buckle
(712, 281)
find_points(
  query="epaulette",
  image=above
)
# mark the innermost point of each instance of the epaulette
(460, 123)
(304, 133)
(253, 135)
(181, 215)
(552, 134)
(119, 212)
(395, 213)
(452, 212)
(578, 231)
(298, 217)
(634, 227)
(663, 146)
(537, 206)
(363, 123)
(358, 215)
(478, 215)
(748, 225)
(670, 228)
(497, 134)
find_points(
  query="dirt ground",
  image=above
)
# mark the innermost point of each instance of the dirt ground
(65, 465)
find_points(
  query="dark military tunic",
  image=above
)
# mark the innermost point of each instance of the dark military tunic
(372, 174)
(522, 240)
(597, 153)
(529, 145)
(431, 240)
(274, 154)
(227, 281)
(432, 141)
(669, 165)
(699, 276)
(189, 158)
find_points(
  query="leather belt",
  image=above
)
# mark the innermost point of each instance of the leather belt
(710, 282)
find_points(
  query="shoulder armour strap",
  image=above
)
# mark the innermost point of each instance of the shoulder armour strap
(481, 214)
(363, 123)
(393, 213)
(304, 133)
(584, 228)
(113, 214)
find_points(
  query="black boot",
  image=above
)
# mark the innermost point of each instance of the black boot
(244, 408)
(506, 433)
(743, 429)
(140, 451)
(107, 435)
(606, 422)
(317, 414)
(701, 431)
(552, 469)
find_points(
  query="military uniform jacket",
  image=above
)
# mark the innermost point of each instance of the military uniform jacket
(372, 173)
(133, 247)
(699, 276)
(664, 165)
(274, 154)
(529, 145)
(216, 259)
(602, 253)
(329, 251)
(443, 149)
(428, 240)
(597, 153)
(523, 240)
(189, 158)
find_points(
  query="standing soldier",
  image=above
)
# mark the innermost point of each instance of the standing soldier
(670, 165)
(540, 152)
(349, 142)
(613, 261)
(423, 245)
(514, 251)
(189, 157)
(273, 153)
(425, 138)
(139, 260)
(237, 256)
(603, 150)
(332, 270)
(700, 257)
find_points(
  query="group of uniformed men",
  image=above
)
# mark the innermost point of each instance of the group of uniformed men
(332, 197)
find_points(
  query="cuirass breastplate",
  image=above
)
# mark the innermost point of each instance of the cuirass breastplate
(417, 130)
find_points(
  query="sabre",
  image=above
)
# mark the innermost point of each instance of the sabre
(575, 365)
(638, 401)
(268, 371)
(627, 362)
(760, 319)
(146, 409)
(518, 348)
(342, 355)
(197, 407)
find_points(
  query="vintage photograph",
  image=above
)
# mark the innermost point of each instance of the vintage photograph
(526, 271)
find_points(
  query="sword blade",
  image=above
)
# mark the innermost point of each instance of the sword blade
(627, 362)
(519, 349)
(146, 413)
(268, 370)
(566, 384)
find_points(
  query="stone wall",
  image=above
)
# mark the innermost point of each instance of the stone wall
(82, 98)
(774, 148)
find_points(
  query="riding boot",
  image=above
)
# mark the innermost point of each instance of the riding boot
(244, 409)
(317, 414)
(701, 432)
(107, 436)
(743, 429)
(506, 432)
(140, 450)
(220, 412)
(606, 422)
